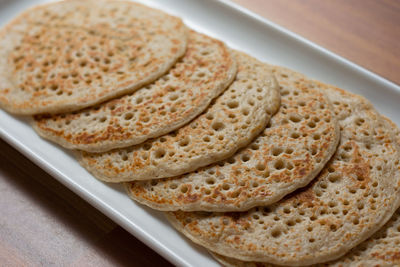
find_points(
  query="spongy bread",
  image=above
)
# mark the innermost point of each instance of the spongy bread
(205, 70)
(68, 55)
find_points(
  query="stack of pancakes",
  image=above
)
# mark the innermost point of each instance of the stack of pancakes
(257, 163)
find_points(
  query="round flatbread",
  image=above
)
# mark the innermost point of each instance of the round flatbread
(68, 55)
(236, 117)
(381, 249)
(355, 194)
(291, 151)
(159, 108)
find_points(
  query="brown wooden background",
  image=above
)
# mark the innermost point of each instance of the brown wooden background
(43, 223)
(366, 32)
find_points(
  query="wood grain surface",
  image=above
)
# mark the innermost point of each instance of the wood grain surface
(36, 208)
(366, 32)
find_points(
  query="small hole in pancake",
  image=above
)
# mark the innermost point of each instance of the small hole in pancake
(184, 189)
(289, 166)
(159, 153)
(225, 186)
(260, 166)
(276, 233)
(283, 92)
(333, 178)
(128, 116)
(289, 150)
(347, 148)
(295, 118)
(184, 142)
(147, 146)
(286, 210)
(245, 158)
(332, 204)
(217, 126)
(323, 185)
(233, 104)
(173, 186)
(276, 151)
(173, 97)
(311, 124)
(301, 103)
(295, 135)
(139, 100)
(254, 146)
(231, 160)
(279, 164)
(210, 181)
(290, 223)
(359, 121)
(235, 194)
(201, 74)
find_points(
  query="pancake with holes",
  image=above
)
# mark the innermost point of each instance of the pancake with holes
(381, 249)
(159, 108)
(68, 55)
(231, 122)
(290, 152)
(354, 195)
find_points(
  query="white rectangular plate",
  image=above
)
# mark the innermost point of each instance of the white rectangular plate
(240, 29)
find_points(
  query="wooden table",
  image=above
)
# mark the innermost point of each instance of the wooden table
(43, 223)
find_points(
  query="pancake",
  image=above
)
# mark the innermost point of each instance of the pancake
(231, 122)
(161, 107)
(69, 55)
(290, 152)
(355, 194)
(381, 249)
